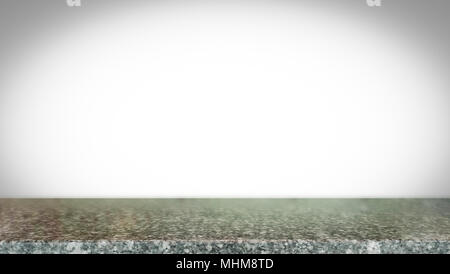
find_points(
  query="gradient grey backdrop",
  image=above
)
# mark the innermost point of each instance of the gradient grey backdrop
(25, 24)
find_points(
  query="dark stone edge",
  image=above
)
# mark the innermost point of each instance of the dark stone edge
(226, 247)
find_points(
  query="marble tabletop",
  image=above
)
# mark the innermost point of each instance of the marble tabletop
(225, 226)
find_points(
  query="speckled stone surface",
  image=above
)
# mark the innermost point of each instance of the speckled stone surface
(225, 226)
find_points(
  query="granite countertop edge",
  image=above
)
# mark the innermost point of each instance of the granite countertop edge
(226, 247)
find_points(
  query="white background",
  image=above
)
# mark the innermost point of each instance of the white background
(209, 101)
